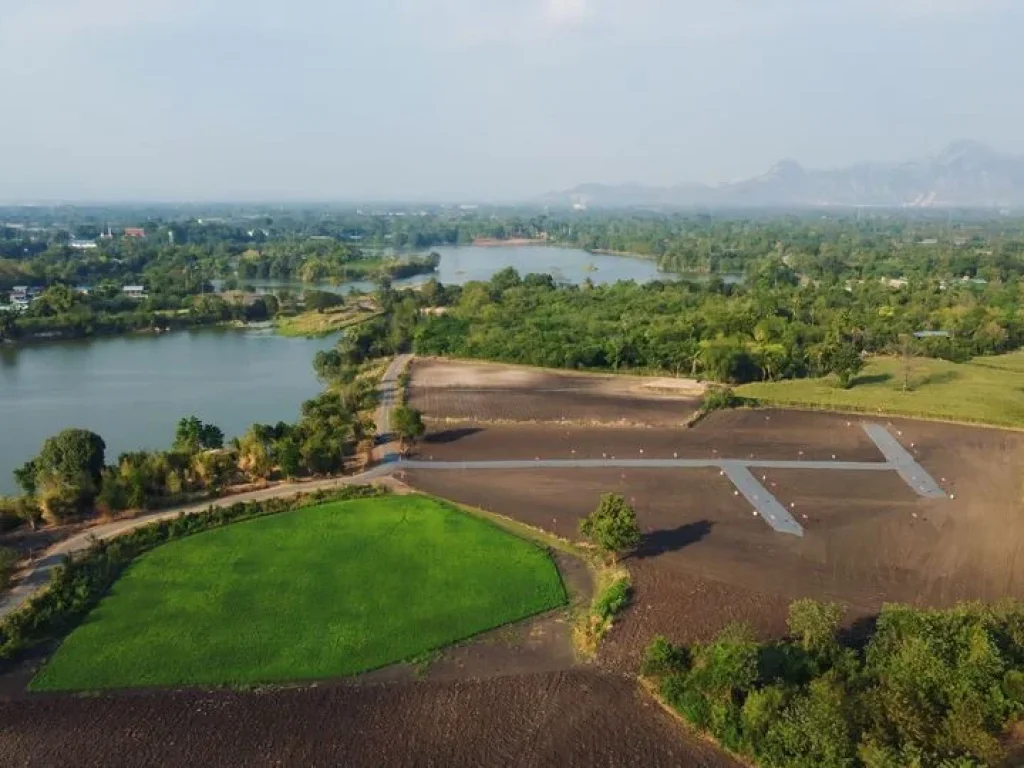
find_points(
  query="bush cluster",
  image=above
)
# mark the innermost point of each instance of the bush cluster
(78, 584)
(930, 688)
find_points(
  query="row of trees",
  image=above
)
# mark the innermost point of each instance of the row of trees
(70, 477)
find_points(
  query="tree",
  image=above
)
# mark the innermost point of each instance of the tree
(612, 526)
(8, 326)
(321, 300)
(68, 473)
(845, 362)
(193, 436)
(408, 424)
(907, 352)
(25, 477)
(815, 624)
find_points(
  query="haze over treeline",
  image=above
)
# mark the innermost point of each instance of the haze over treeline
(485, 100)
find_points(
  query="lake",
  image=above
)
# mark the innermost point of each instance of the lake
(462, 263)
(132, 390)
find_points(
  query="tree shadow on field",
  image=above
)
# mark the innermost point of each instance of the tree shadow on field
(450, 435)
(874, 378)
(659, 542)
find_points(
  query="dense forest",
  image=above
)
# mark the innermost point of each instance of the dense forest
(775, 325)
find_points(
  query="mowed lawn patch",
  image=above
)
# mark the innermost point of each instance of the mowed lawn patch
(321, 592)
(986, 390)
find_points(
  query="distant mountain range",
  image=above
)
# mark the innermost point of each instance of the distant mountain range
(967, 174)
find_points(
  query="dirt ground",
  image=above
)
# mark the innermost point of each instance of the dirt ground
(517, 696)
(868, 538)
(490, 393)
(580, 718)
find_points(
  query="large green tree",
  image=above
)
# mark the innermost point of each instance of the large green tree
(193, 435)
(66, 475)
(408, 424)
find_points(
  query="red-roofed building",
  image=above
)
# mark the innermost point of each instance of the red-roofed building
(134, 232)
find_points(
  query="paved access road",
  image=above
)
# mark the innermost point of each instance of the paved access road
(388, 389)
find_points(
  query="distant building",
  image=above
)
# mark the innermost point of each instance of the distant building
(928, 241)
(134, 232)
(932, 334)
(894, 282)
(134, 291)
(82, 245)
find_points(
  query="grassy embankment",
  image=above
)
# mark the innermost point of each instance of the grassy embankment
(322, 592)
(321, 323)
(986, 390)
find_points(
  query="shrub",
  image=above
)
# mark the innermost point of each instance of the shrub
(720, 398)
(8, 559)
(612, 526)
(614, 594)
(815, 624)
(612, 600)
(661, 658)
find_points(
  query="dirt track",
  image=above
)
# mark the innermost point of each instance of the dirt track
(561, 719)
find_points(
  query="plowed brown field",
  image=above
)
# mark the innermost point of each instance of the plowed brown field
(705, 561)
(485, 392)
(579, 718)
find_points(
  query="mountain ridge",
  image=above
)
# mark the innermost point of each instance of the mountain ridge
(966, 174)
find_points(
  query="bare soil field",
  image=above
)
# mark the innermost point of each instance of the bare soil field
(581, 718)
(489, 393)
(868, 537)
(742, 434)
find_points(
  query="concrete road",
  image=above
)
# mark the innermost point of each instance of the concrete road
(386, 449)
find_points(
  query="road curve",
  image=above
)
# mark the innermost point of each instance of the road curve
(39, 574)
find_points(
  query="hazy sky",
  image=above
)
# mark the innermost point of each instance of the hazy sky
(484, 99)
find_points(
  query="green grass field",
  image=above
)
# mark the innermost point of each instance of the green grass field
(315, 323)
(987, 390)
(318, 593)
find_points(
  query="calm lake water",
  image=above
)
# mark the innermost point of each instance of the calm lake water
(132, 390)
(462, 263)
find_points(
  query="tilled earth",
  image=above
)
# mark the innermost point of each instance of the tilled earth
(868, 537)
(705, 561)
(490, 393)
(578, 718)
